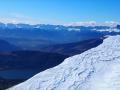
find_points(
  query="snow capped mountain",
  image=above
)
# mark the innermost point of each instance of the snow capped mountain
(89, 23)
(95, 69)
(93, 23)
(77, 26)
(109, 30)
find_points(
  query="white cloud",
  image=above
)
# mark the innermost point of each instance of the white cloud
(89, 23)
(111, 23)
(93, 23)
(18, 18)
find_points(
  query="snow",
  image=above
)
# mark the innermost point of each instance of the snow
(88, 23)
(93, 23)
(109, 30)
(95, 69)
(73, 29)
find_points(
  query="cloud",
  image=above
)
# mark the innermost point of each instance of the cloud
(93, 23)
(89, 23)
(111, 23)
(18, 18)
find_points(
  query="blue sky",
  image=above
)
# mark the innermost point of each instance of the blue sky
(59, 11)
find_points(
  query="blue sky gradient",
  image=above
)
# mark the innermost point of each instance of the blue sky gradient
(59, 11)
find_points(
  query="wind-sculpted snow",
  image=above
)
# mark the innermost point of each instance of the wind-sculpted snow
(95, 69)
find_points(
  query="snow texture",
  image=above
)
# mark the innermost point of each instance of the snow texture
(95, 69)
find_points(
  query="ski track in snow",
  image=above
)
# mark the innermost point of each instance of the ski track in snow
(95, 69)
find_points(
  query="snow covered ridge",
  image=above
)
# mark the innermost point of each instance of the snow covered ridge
(75, 26)
(109, 30)
(95, 69)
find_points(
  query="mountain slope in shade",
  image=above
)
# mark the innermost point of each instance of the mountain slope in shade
(73, 48)
(36, 61)
(29, 60)
(95, 69)
(7, 47)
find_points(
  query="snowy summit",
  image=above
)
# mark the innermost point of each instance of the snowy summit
(95, 69)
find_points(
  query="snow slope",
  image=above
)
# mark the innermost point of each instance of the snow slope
(95, 69)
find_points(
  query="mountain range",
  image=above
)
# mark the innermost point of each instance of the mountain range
(33, 37)
(53, 27)
(95, 69)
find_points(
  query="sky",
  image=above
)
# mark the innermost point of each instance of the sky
(59, 11)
